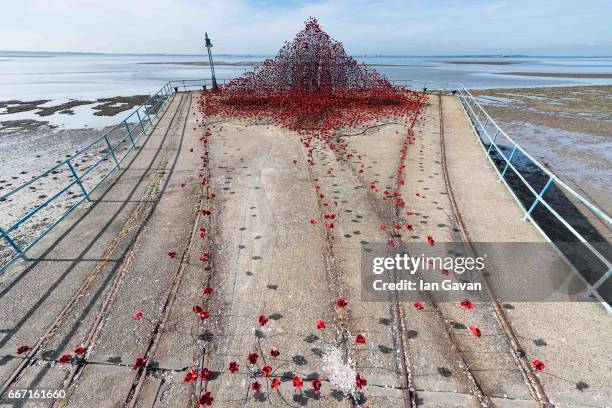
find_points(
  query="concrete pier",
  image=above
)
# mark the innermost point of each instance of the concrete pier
(110, 259)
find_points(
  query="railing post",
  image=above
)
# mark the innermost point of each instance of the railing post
(140, 120)
(167, 95)
(485, 124)
(127, 127)
(493, 140)
(108, 143)
(78, 180)
(13, 245)
(538, 197)
(601, 280)
(508, 163)
(148, 115)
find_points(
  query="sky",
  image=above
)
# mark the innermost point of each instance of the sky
(259, 27)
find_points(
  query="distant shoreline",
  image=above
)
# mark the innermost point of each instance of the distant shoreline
(557, 74)
(485, 62)
(255, 63)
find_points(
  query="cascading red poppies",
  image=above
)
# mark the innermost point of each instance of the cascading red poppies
(312, 86)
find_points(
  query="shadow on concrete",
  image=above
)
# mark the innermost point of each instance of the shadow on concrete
(576, 214)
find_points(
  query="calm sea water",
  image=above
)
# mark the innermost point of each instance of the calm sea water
(57, 76)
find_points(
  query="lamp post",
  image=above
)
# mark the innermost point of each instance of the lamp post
(209, 45)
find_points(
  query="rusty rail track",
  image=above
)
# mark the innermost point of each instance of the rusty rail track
(517, 350)
(145, 212)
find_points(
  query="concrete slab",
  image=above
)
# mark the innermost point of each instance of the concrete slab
(266, 258)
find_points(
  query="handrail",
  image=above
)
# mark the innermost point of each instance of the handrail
(106, 146)
(473, 109)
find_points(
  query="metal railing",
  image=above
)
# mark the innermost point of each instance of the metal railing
(110, 149)
(504, 156)
(529, 182)
(184, 85)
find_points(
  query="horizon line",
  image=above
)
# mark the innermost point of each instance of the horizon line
(366, 55)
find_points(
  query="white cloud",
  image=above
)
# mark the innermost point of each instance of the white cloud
(249, 26)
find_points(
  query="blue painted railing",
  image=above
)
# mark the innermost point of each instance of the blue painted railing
(522, 174)
(111, 148)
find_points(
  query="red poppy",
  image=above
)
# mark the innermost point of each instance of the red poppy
(80, 350)
(430, 240)
(445, 272)
(475, 331)
(341, 303)
(275, 383)
(263, 319)
(190, 376)
(207, 291)
(466, 304)
(205, 374)
(138, 315)
(197, 309)
(66, 358)
(397, 228)
(253, 357)
(172, 254)
(202, 232)
(212, 195)
(266, 370)
(313, 221)
(320, 324)
(23, 349)
(183, 183)
(233, 366)
(409, 227)
(316, 386)
(256, 386)
(382, 227)
(538, 365)
(360, 339)
(140, 362)
(206, 398)
(204, 314)
(329, 225)
(204, 257)
(360, 381)
(417, 306)
(205, 212)
(274, 352)
(298, 383)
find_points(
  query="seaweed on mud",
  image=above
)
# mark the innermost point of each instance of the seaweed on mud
(118, 104)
